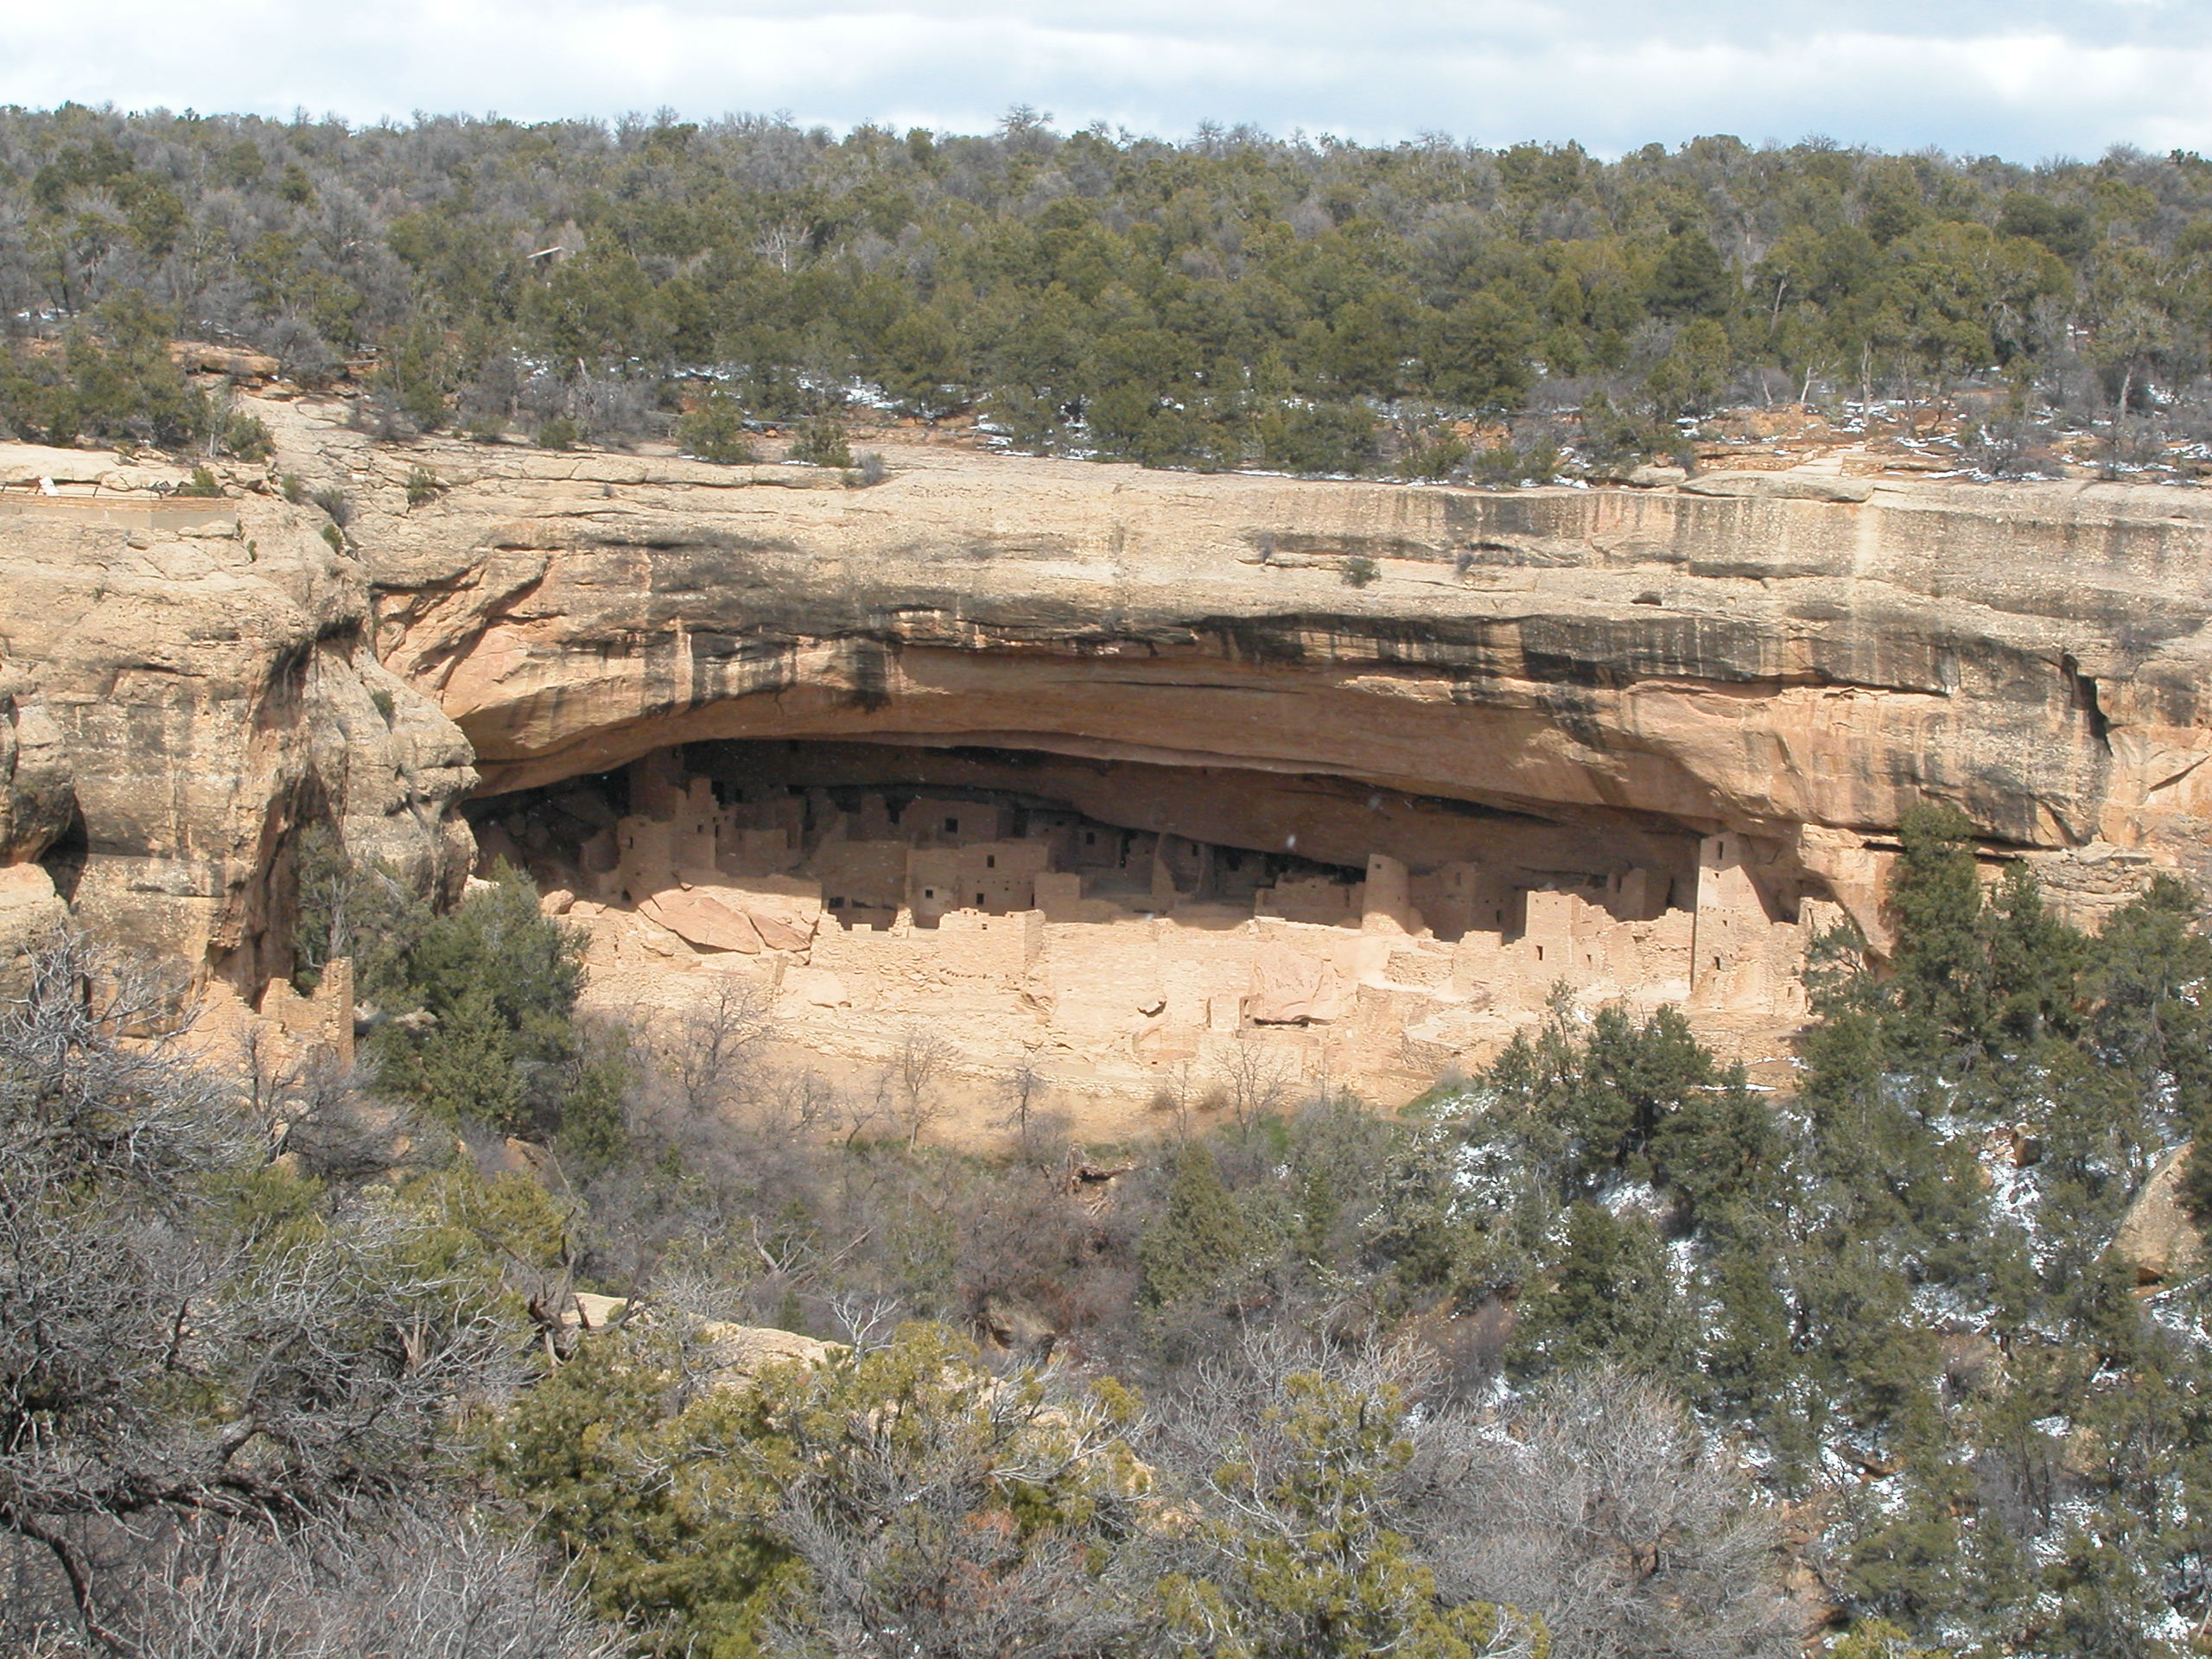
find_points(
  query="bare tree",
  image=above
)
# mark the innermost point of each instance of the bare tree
(797, 1105)
(1598, 1506)
(176, 1359)
(335, 1129)
(268, 1074)
(1023, 1086)
(910, 1546)
(869, 1322)
(1605, 1509)
(1256, 1077)
(917, 1069)
(409, 1586)
(1298, 1464)
(711, 1050)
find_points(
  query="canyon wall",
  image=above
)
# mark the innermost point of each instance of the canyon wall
(1790, 664)
(185, 685)
(1600, 676)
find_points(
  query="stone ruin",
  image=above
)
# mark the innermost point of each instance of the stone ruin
(1121, 961)
(279, 1042)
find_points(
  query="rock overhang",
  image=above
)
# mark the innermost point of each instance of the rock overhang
(1761, 664)
(1794, 666)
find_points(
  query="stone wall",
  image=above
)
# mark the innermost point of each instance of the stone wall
(1128, 963)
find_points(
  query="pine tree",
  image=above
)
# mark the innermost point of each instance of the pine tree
(1202, 1239)
(1612, 1298)
(1940, 1000)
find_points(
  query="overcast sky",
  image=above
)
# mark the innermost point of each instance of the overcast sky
(2027, 79)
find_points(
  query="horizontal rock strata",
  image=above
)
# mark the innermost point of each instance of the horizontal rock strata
(1796, 666)
(185, 687)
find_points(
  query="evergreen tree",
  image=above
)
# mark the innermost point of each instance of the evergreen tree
(1200, 1241)
(1691, 279)
(1612, 1299)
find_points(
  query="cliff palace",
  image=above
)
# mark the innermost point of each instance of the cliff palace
(1151, 784)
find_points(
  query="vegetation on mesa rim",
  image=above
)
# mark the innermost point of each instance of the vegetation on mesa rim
(1233, 299)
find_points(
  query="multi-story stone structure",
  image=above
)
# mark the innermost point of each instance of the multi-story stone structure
(1015, 926)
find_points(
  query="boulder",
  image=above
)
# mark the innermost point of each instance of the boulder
(702, 916)
(28, 463)
(199, 357)
(739, 1352)
(723, 912)
(1015, 1326)
(2157, 1238)
(584, 1311)
(784, 910)
(745, 1350)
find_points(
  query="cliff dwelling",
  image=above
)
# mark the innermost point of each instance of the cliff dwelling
(1138, 936)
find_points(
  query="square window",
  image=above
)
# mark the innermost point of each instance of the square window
(952, 826)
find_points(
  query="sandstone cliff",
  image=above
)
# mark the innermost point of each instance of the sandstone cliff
(1790, 658)
(184, 685)
(1782, 660)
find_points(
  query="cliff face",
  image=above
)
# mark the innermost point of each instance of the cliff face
(184, 687)
(1794, 668)
(1795, 661)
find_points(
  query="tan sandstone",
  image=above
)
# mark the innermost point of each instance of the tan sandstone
(2157, 1238)
(1576, 690)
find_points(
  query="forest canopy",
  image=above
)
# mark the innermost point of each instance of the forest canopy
(1233, 299)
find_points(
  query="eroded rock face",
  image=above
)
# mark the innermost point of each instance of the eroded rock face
(2157, 1238)
(1797, 666)
(184, 686)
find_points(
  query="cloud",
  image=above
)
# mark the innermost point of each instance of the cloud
(2026, 79)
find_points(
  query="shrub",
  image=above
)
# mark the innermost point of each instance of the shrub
(335, 536)
(1297, 438)
(1438, 455)
(1359, 570)
(870, 471)
(715, 431)
(423, 485)
(1500, 467)
(202, 483)
(898, 1499)
(213, 1339)
(246, 436)
(334, 502)
(111, 378)
(1201, 1243)
(294, 488)
(559, 433)
(496, 982)
(821, 442)
(1301, 1544)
